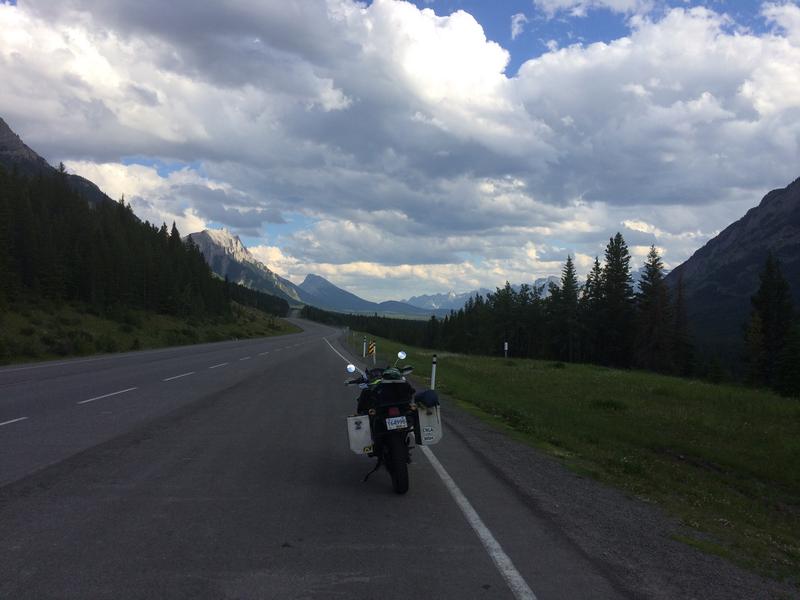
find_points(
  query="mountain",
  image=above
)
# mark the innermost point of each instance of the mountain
(228, 257)
(449, 301)
(720, 277)
(15, 154)
(326, 295)
(454, 301)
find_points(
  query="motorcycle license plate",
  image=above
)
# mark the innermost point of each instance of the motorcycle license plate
(396, 423)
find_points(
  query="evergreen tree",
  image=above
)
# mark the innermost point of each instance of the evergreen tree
(772, 314)
(788, 371)
(590, 312)
(682, 349)
(617, 305)
(563, 303)
(654, 319)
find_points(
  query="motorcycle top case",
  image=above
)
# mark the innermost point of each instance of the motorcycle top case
(430, 424)
(360, 435)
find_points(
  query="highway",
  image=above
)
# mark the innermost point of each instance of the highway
(223, 471)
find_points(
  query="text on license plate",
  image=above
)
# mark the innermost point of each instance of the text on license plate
(396, 423)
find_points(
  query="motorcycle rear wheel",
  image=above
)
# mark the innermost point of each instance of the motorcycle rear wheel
(397, 462)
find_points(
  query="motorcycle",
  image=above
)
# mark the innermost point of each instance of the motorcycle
(391, 418)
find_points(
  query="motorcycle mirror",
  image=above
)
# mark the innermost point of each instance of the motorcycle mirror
(401, 355)
(351, 368)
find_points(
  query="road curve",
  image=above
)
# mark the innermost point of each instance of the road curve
(223, 471)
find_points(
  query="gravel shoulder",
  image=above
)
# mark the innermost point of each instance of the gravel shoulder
(627, 536)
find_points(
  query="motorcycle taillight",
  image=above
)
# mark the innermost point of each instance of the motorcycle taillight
(393, 411)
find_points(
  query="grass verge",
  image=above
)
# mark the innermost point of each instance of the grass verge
(42, 331)
(723, 459)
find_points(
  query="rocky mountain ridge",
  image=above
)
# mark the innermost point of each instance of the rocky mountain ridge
(15, 154)
(720, 278)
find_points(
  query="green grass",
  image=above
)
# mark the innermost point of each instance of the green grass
(42, 331)
(723, 459)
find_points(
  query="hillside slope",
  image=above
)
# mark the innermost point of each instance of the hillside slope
(720, 277)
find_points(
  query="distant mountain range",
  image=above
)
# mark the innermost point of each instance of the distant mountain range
(228, 257)
(14, 154)
(720, 277)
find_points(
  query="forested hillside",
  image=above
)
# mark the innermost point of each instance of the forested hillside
(54, 245)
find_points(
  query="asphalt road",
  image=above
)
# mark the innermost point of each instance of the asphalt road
(223, 471)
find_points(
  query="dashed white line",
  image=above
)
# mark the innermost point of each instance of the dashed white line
(107, 395)
(13, 421)
(263, 353)
(218, 366)
(178, 376)
(245, 358)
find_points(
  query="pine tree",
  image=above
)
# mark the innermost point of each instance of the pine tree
(617, 305)
(772, 307)
(590, 309)
(682, 349)
(788, 371)
(654, 320)
(563, 302)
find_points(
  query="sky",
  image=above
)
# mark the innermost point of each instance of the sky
(402, 148)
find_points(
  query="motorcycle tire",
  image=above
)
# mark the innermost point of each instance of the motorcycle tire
(397, 463)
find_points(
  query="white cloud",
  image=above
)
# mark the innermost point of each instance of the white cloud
(518, 25)
(398, 134)
(580, 8)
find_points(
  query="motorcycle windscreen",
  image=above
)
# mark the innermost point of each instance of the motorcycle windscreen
(430, 425)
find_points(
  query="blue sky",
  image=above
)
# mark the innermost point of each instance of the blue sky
(599, 24)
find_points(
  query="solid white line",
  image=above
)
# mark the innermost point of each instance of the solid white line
(106, 395)
(344, 358)
(518, 585)
(178, 376)
(12, 421)
(514, 579)
(245, 358)
(217, 366)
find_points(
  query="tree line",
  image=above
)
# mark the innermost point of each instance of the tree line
(606, 320)
(54, 245)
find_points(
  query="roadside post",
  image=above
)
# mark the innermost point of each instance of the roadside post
(364, 351)
(505, 349)
(433, 373)
(373, 351)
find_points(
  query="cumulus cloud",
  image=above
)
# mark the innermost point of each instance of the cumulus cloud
(397, 134)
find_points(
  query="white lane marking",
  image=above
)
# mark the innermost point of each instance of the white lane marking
(107, 395)
(514, 579)
(179, 376)
(218, 366)
(245, 358)
(263, 353)
(13, 421)
(344, 358)
(519, 587)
